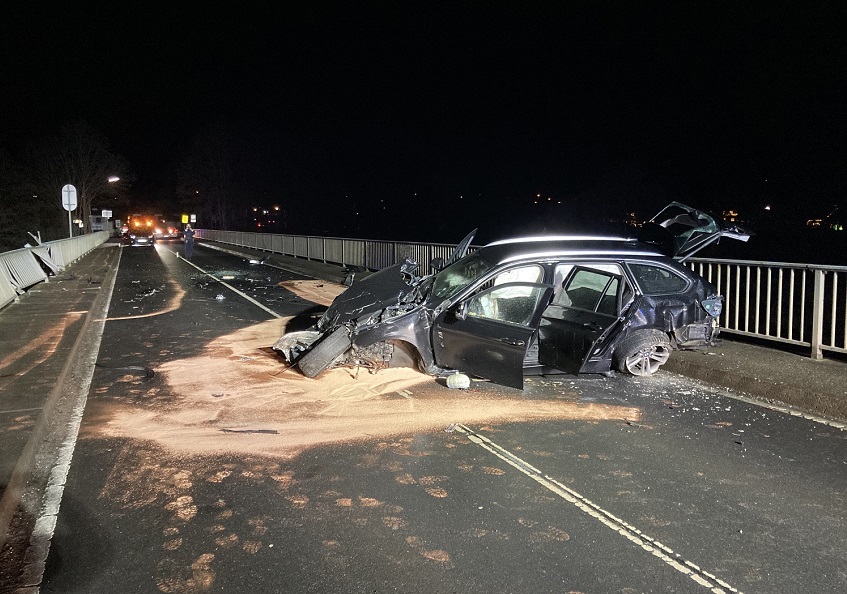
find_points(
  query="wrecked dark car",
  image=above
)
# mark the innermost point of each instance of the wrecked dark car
(529, 306)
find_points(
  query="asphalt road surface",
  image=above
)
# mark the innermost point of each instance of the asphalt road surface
(204, 464)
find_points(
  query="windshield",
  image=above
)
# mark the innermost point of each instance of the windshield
(457, 276)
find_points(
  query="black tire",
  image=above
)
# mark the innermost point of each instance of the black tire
(320, 356)
(643, 353)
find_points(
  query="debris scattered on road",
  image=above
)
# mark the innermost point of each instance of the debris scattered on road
(148, 373)
(220, 297)
(458, 381)
(266, 431)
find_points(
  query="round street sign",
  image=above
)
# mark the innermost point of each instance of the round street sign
(69, 197)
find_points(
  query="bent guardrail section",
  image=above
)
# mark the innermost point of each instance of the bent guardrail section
(23, 268)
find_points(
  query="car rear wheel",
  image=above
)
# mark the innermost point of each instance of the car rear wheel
(642, 354)
(320, 356)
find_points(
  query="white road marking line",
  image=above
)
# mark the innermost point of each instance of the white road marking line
(233, 289)
(651, 545)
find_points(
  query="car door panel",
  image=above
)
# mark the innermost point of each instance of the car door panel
(568, 336)
(581, 317)
(475, 337)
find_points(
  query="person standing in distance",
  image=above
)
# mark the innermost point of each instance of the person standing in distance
(188, 238)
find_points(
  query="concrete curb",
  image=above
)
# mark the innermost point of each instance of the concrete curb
(825, 405)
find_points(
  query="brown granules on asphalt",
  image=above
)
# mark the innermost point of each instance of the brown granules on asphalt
(240, 396)
(319, 292)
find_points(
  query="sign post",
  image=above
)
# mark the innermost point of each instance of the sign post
(69, 204)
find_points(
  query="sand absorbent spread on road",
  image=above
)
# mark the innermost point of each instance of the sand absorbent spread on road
(240, 396)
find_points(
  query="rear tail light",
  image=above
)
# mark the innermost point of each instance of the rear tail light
(713, 307)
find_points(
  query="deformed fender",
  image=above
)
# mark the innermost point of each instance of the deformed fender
(412, 327)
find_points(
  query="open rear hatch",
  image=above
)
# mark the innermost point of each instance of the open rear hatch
(680, 231)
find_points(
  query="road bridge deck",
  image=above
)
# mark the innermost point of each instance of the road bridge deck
(57, 311)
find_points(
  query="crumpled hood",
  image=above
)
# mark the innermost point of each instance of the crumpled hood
(390, 286)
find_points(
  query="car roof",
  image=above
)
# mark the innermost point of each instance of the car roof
(568, 246)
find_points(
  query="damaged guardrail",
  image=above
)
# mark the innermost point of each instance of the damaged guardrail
(798, 304)
(23, 268)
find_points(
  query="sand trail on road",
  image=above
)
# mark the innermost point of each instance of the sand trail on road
(239, 396)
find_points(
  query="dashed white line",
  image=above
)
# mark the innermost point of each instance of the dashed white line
(231, 288)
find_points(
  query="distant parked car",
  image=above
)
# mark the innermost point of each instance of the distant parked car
(529, 306)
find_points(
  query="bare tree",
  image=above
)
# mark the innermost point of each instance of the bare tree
(80, 156)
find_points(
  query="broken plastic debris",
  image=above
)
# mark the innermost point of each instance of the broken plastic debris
(220, 297)
(458, 381)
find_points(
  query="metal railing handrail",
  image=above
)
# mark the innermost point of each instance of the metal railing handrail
(797, 265)
(28, 266)
(784, 302)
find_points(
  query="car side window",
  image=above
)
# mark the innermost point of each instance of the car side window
(514, 303)
(656, 280)
(600, 288)
(532, 273)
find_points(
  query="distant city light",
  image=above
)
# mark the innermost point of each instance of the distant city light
(768, 207)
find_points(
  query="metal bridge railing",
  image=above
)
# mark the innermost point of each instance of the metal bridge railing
(20, 269)
(801, 304)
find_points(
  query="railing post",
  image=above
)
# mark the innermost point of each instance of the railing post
(817, 316)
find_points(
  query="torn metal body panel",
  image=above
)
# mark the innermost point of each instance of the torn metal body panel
(388, 287)
(569, 304)
(293, 344)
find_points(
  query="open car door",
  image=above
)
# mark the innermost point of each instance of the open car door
(587, 310)
(680, 231)
(487, 335)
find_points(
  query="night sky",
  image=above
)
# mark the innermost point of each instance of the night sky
(455, 108)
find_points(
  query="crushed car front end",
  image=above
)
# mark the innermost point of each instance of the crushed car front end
(377, 319)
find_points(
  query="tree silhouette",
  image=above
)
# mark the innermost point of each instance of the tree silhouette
(80, 156)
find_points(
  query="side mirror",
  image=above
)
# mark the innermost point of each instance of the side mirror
(461, 311)
(437, 264)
